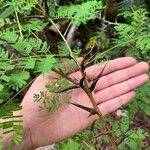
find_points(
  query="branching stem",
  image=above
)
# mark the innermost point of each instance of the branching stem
(89, 94)
(69, 49)
(85, 86)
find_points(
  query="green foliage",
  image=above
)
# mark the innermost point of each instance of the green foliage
(25, 52)
(51, 103)
(143, 98)
(23, 6)
(134, 141)
(22, 53)
(99, 39)
(45, 65)
(80, 13)
(135, 34)
(141, 101)
(34, 24)
(17, 138)
(1, 147)
(70, 144)
(121, 128)
(3, 54)
(23, 45)
(57, 86)
(18, 80)
(128, 5)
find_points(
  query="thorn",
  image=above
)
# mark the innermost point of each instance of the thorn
(90, 110)
(67, 89)
(92, 87)
(85, 59)
(82, 80)
(60, 70)
(86, 65)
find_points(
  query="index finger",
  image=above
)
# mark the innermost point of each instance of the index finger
(117, 64)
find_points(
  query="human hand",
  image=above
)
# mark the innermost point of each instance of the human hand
(114, 89)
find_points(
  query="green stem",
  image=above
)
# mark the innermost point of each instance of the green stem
(116, 46)
(89, 94)
(69, 49)
(18, 93)
(18, 22)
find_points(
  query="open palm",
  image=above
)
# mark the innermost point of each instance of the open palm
(114, 89)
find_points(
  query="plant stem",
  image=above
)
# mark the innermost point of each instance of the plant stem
(69, 49)
(19, 26)
(18, 92)
(89, 94)
(65, 76)
(85, 86)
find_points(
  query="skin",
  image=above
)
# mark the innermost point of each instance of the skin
(114, 89)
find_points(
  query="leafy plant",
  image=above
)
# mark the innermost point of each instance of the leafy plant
(27, 50)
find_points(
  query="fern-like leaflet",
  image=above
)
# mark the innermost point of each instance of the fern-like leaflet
(80, 13)
(51, 103)
(136, 33)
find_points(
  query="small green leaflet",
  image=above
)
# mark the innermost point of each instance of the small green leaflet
(125, 122)
(2, 22)
(80, 13)
(7, 12)
(50, 103)
(57, 86)
(1, 147)
(1, 87)
(5, 66)
(34, 24)
(45, 65)
(17, 138)
(70, 145)
(5, 78)
(3, 54)
(28, 64)
(18, 80)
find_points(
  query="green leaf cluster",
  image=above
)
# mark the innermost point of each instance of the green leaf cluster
(49, 102)
(135, 33)
(80, 13)
(24, 54)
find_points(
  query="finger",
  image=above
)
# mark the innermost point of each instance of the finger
(121, 75)
(113, 104)
(120, 88)
(113, 65)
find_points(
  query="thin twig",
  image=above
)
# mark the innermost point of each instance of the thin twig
(65, 76)
(19, 26)
(92, 87)
(34, 16)
(67, 29)
(68, 89)
(102, 133)
(108, 22)
(89, 94)
(69, 49)
(85, 86)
